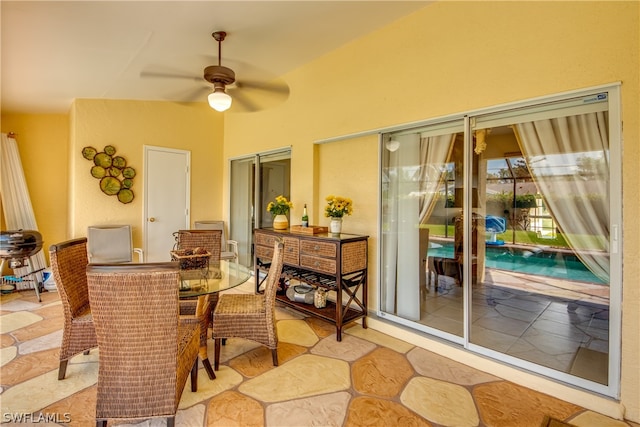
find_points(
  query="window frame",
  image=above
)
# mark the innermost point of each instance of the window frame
(612, 389)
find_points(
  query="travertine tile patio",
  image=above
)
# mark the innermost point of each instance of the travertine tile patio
(368, 379)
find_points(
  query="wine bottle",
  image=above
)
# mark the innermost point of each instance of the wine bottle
(305, 217)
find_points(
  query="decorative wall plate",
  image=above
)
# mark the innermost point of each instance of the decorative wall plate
(116, 178)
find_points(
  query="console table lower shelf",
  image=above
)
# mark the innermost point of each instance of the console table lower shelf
(328, 313)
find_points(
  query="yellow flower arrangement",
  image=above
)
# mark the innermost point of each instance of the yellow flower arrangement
(281, 206)
(337, 207)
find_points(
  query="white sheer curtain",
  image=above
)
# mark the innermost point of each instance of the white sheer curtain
(401, 275)
(434, 152)
(16, 203)
(579, 206)
(414, 180)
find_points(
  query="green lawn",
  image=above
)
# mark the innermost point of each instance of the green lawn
(588, 242)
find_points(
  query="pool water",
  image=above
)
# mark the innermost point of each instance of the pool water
(535, 261)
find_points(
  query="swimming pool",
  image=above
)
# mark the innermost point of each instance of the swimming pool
(535, 260)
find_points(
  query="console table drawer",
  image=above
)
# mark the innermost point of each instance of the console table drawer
(291, 250)
(264, 252)
(314, 247)
(323, 265)
(264, 248)
(264, 239)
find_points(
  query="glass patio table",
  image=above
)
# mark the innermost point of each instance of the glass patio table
(212, 279)
(205, 284)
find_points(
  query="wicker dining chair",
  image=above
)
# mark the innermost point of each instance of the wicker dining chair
(69, 267)
(229, 248)
(201, 307)
(250, 316)
(207, 239)
(146, 350)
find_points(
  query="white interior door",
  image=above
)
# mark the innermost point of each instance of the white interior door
(167, 191)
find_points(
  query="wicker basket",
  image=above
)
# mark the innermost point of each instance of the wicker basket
(191, 261)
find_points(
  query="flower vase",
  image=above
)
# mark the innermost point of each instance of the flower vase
(335, 226)
(280, 222)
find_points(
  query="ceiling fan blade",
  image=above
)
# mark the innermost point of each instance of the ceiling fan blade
(277, 86)
(251, 76)
(197, 95)
(162, 75)
(256, 95)
(240, 103)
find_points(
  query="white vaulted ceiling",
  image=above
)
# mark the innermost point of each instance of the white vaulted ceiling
(53, 52)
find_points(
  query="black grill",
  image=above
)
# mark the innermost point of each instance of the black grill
(18, 245)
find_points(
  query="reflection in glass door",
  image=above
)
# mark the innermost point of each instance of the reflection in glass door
(545, 294)
(498, 234)
(248, 207)
(422, 205)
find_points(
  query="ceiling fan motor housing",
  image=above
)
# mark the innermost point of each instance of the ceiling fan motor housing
(219, 73)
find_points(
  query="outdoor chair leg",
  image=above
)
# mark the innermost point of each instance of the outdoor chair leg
(274, 356)
(216, 357)
(209, 369)
(194, 377)
(62, 370)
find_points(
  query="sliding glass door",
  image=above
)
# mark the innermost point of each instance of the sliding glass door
(255, 180)
(418, 186)
(499, 233)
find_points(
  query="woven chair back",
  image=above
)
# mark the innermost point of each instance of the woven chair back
(213, 225)
(207, 239)
(136, 316)
(229, 249)
(273, 277)
(69, 267)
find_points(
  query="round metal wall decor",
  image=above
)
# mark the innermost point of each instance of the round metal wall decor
(116, 178)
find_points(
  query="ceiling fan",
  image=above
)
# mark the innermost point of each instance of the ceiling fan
(249, 95)
(220, 76)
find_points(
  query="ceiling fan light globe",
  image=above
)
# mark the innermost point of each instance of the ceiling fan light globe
(392, 145)
(219, 101)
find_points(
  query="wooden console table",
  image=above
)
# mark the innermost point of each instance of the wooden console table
(334, 262)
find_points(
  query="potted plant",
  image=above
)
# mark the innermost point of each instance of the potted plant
(279, 209)
(336, 208)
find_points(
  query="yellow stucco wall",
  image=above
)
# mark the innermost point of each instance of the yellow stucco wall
(43, 143)
(448, 58)
(338, 178)
(128, 126)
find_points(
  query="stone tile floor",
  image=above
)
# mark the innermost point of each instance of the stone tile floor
(545, 321)
(368, 379)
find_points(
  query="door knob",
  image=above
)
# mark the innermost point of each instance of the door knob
(152, 219)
